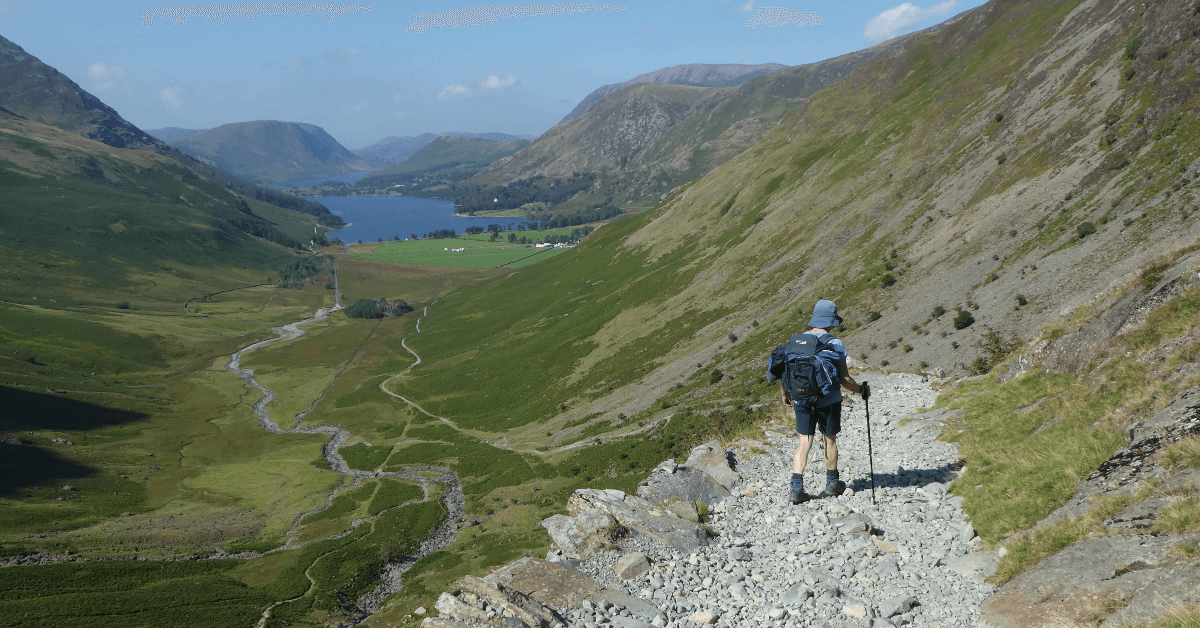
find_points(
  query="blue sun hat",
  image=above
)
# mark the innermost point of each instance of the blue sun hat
(825, 315)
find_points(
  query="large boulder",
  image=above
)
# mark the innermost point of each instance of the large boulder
(580, 535)
(640, 516)
(504, 600)
(712, 459)
(669, 482)
(559, 587)
(1085, 582)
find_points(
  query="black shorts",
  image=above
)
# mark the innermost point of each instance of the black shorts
(828, 418)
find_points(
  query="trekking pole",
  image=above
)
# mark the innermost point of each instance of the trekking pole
(870, 456)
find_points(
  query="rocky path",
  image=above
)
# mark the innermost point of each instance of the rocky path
(910, 559)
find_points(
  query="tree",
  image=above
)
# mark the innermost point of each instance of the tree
(365, 308)
(512, 238)
(963, 320)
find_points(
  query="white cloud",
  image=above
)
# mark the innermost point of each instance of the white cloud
(748, 7)
(897, 20)
(357, 108)
(491, 84)
(496, 82)
(105, 77)
(297, 66)
(172, 98)
(456, 92)
(342, 54)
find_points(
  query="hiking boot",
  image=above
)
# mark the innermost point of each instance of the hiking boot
(798, 496)
(834, 488)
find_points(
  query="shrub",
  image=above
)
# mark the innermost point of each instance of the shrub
(1132, 47)
(123, 305)
(716, 376)
(908, 348)
(995, 348)
(874, 316)
(887, 280)
(937, 312)
(1085, 229)
(1021, 300)
(1117, 161)
(963, 320)
(999, 117)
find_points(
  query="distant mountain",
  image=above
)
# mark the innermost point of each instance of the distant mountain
(694, 74)
(394, 149)
(173, 133)
(447, 157)
(36, 91)
(268, 151)
(641, 147)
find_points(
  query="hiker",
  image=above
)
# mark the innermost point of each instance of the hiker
(815, 393)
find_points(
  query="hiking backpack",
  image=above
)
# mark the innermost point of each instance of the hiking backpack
(805, 373)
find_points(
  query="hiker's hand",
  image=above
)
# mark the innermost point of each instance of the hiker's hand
(865, 390)
(787, 398)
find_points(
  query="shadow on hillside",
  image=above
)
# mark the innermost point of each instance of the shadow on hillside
(24, 410)
(24, 466)
(911, 477)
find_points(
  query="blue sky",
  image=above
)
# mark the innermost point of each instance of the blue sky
(364, 76)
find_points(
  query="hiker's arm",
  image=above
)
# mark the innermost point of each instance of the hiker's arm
(847, 381)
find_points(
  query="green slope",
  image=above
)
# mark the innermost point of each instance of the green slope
(449, 158)
(927, 181)
(266, 151)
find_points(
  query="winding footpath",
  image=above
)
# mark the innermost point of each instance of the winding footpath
(394, 570)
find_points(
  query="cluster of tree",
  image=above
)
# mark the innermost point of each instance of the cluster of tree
(595, 214)
(439, 234)
(471, 198)
(296, 273)
(257, 226)
(378, 308)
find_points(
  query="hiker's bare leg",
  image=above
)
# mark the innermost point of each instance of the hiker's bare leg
(800, 457)
(831, 452)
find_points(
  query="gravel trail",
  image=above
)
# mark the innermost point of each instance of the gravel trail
(774, 564)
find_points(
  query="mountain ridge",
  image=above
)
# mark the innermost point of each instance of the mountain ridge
(395, 149)
(271, 151)
(691, 74)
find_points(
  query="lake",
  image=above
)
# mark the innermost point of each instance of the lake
(376, 217)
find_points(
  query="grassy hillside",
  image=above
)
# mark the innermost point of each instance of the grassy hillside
(80, 213)
(445, 159)
(266, 151)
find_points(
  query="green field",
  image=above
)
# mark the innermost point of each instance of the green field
(479, 253)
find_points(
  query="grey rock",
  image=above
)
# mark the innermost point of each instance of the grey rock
(640, 516)
(796, 595)
(896, 605)
(669, 482)
(579, 535)
(683, 509)
(631, 566)
(1135, 569)
(968, 564)
(711, 459)
(739, 554)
